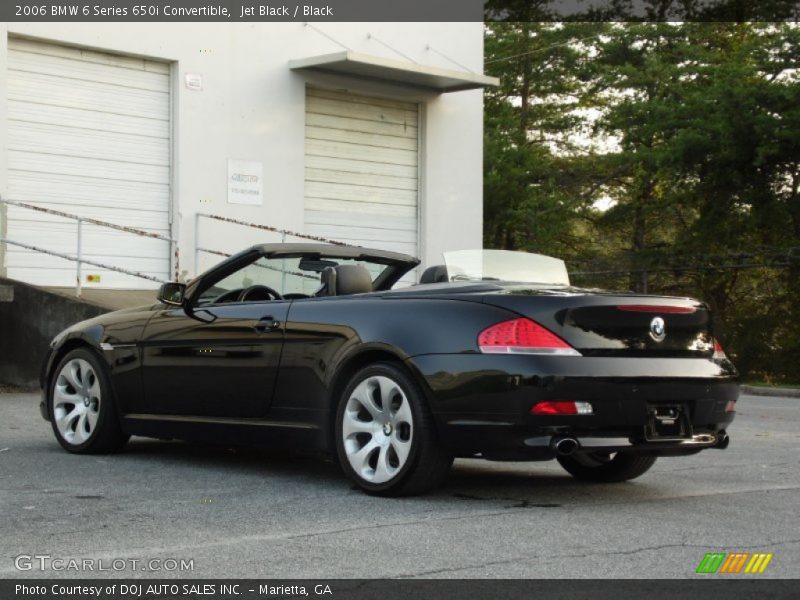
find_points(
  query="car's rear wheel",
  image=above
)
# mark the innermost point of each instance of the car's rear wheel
(606, 467)
(385, 435)
(81, 405)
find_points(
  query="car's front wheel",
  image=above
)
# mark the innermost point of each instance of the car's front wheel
(385, 435)
(81, 405)
(606, 467)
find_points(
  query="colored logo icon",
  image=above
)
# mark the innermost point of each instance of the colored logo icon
(734, 563)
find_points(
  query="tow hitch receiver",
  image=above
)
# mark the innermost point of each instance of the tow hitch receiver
(667, 422)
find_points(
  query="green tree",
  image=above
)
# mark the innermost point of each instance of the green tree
(534, 171)
(697, 153)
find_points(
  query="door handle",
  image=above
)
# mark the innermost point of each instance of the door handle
(266, 324)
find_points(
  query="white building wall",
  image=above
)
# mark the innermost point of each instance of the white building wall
(252, 107)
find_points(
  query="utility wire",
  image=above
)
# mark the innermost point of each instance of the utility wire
(767, 257)
(567, 43)
(686, 269)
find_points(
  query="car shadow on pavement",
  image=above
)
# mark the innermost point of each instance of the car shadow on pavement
(508, 485)
(231, 459)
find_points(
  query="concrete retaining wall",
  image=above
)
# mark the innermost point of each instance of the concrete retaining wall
(29, 318)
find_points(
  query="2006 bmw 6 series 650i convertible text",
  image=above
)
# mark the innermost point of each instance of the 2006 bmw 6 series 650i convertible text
(492, 355)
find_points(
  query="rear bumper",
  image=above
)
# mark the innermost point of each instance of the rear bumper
(482, 402)
(495, 443)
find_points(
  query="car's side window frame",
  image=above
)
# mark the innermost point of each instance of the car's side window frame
(208, 280)
(384, 280)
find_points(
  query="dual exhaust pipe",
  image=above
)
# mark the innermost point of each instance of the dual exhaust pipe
(565, 446)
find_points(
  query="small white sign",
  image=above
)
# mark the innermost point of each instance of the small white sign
(193, 81)
(244, 182)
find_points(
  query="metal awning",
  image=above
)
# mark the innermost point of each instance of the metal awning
(366, 66)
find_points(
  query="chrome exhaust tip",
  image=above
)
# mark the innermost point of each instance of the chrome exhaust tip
(565, 446)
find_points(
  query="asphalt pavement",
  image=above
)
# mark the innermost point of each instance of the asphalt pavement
(250, 513)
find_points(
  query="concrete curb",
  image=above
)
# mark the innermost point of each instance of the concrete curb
(14, 390)
(770, 391)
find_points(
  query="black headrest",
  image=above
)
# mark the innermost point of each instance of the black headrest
(343, 280)
(434, 274)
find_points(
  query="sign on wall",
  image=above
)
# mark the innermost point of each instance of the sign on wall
(245, 182)
(193, 81)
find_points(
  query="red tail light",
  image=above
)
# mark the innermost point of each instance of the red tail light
(522, 336)
(561, 407)
(719, 353)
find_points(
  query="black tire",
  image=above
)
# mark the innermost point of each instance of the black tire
(427, 463)
(606, 469)
(107, 435)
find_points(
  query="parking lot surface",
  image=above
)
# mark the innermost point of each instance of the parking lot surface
(250, 513)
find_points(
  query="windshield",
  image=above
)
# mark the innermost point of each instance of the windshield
(505, 265)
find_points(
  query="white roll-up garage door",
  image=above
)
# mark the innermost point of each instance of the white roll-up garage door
(88, 133)
(361, 171)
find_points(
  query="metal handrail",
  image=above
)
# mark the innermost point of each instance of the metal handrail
(58, 213)
(80, 261)
(284, 232)
(78, 258)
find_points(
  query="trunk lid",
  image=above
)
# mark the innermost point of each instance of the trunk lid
(609, 324)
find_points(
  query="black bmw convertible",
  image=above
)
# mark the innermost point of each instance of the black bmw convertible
(491, 355)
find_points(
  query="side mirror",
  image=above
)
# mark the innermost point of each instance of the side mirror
(172, 293)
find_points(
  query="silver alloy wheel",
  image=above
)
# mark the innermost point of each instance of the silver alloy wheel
(76, 401)
(377, 429)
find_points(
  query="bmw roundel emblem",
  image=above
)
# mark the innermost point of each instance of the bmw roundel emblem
(657, 329)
